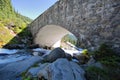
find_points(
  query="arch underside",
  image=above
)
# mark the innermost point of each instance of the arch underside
(49, 35)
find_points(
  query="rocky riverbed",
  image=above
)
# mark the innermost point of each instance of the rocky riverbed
(13, 63)
(56, 64)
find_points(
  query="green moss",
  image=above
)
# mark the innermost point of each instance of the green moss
(28, 78)
(24, 77)
(35, 65)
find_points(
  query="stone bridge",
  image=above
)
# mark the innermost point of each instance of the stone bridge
(92, 21)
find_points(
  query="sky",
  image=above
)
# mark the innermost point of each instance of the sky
(32, 8)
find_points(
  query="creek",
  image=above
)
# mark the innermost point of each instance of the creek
(13, 55)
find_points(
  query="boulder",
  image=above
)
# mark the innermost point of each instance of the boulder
(12, 70)
(54, 55)
(32, 72)
(62, 69)
(68, 56)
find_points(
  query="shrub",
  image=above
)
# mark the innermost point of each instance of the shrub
(110, 62)
(95, 73)
(103, 51)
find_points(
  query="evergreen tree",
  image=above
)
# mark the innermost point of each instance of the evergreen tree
(11, 19)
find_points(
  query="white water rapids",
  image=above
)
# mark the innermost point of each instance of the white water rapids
(14, 55)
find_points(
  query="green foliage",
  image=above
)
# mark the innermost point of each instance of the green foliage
(25, 33)
(110, 62)
(5, 35)
(70, 38)
(24, 77)
(28, 78)
(12, 20)
(107, 73)
(106, 56)
(1, 25)
(103, 51)
(95, 73)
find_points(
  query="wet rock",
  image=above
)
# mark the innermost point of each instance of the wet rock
(44, 51)
(54, 55)
(62, 69)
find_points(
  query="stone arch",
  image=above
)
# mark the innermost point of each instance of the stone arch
(50, 34)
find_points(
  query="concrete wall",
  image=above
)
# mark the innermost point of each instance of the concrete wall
(92, 21)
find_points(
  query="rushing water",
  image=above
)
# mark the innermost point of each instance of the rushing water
(7, 55)
(13, 55)
(7, 51)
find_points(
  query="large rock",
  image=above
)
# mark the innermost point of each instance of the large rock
(68, 56)
(62, 69)
(12, 70)
(32, 72)
(54, 55)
